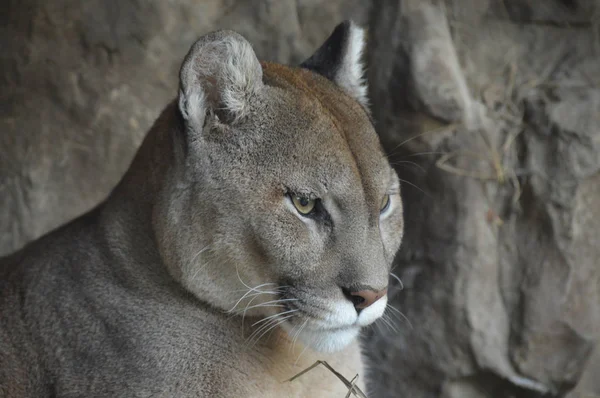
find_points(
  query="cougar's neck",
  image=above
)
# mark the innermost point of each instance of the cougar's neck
(127, 215)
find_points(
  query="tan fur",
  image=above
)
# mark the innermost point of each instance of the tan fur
(198, 277)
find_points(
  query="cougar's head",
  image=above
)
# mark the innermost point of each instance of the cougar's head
(282, 204)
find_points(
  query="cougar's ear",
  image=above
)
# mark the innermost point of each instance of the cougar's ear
(220, 74)
(339, 60)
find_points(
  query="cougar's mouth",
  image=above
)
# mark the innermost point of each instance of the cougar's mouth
(325, 324)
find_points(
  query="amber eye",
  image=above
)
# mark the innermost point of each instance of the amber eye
(385, 203)
(303, 204)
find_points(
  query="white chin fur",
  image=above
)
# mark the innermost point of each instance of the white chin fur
(327, 341)
(339, 329)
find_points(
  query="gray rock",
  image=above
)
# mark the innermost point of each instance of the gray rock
(502, 208)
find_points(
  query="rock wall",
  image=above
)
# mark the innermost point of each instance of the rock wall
(489, 109)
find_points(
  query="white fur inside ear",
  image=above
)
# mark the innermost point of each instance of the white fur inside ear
(222, 73)
(192, 107)
(242, 75)
(350, 75)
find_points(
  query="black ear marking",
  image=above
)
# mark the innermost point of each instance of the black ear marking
(339, 60)
(327, 59)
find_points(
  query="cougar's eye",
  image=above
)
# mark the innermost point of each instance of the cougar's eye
(303, 204)
(385, 203)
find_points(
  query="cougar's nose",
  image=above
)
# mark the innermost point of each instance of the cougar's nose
(364, 298)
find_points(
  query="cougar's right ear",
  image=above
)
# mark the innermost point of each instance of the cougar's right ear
(340, 60)
(220, 74)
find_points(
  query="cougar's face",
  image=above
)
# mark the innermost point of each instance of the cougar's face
(313, 211)
(286, 208)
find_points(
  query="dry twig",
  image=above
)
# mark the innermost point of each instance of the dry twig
(352, 388)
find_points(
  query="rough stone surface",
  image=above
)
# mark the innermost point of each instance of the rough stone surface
(489, 109)
(500, 262)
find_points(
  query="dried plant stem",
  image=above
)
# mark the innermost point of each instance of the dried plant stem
(352, 388)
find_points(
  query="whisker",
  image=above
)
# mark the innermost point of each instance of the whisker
(276, 323)
(276, 290)
(377, 325)
(437, 130)
(262, 327)
(393, 323)
(248, 306)
(295, 339)
(302, 352)
(398, 279)
(237, 271)
(393, 151)
(262, 305)
(392, 327)
(426, 153)
(273, 328)
(415, 186)
(259, 292)
(250, 340)
(255, 289)
(386, 320)
(295, 329)
(409, 162)
(383, 321)
(199, 253)
(397, 311)
(272, 304)
(248, 292)
(273, 316)
(246, 309)
(194, 259)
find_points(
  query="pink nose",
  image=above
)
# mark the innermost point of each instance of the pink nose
(364, 298)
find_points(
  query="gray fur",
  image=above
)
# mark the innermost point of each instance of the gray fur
(139, 297)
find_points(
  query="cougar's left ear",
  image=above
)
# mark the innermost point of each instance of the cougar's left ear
(339, 60)
(220, 74)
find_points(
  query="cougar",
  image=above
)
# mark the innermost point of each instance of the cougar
(251, 236)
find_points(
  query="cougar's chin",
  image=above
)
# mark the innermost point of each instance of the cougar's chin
(334, 329)
(323, 340)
